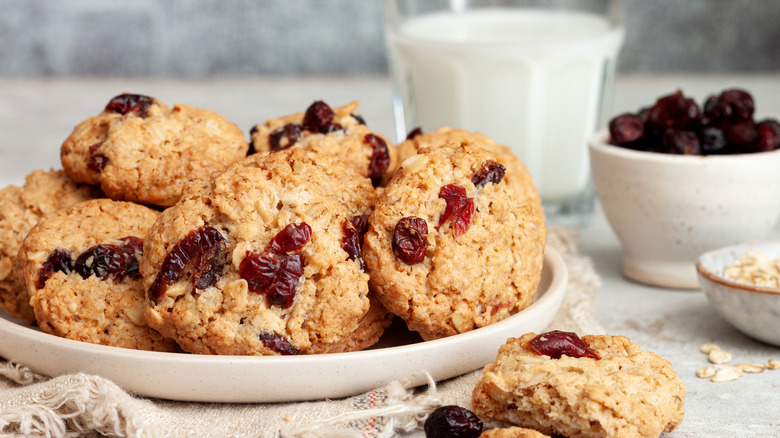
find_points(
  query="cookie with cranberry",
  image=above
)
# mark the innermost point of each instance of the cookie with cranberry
(260, 259)
(450, 245)
(21, 208)
(368, 332)
(516, 173)
(137, 149)
(594, 386)
(340, 132)
(85, 283)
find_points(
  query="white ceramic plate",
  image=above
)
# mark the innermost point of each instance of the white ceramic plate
(399, 355)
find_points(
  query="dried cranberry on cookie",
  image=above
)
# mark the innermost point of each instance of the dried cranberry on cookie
(21, 208)
(85, 283)
(137, 149)
(339, 132)
(256, 261)
(451, 246)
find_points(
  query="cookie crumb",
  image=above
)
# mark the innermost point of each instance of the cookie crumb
(708, 348)
(772, 364)
(288, 417)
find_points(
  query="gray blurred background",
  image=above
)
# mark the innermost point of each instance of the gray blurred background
(201, 38)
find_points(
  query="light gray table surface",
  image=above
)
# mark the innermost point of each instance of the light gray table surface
(36, 115)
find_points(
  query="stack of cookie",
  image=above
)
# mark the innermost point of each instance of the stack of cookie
(162, 234)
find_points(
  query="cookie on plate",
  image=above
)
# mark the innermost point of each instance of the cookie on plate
(140, 150)
(451, 246)
(516, 173)
(512, 432)
(260, 260)
(80, 267)
(339, 132)
(596, 386)
(21, 208)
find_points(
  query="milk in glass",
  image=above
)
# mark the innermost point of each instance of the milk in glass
(530, 79)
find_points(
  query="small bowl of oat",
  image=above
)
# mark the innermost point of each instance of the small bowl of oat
(742, 283)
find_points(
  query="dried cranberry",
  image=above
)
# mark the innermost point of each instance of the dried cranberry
(133, 247)
(292, 238)
(379, 160)
(192, 248)
(209, 266)
(768, 136)
(252, 149)
(626, 129)
(360, 223)
(713, 141)
(557, 343)
(414, 133)
(102, 261)
(97, 160)
(491, 172)
(278, 343)
(740, 104)
(680, 142)
(331, 127)
(351, 243)
(60, 260)
(135, 104)
(285, 137)
(358, 118)
(285, 282)
(258, 270)
(318, 116)
(459, 208)
(410, 240)
(275, 272)
(452, 422)
(673, 111)
(744, 135)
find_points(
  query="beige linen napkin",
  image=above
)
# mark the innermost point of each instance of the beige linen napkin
(85, 405)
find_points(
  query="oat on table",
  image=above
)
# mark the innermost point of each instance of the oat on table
(451, 246)
(137, 149)
(259, 260)
(81, 268)
(44, 192)
(339, 132)
(611, 389)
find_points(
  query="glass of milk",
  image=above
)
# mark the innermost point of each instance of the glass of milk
(535, 75)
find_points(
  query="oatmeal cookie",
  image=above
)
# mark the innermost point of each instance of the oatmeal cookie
(339, 132)
(258, 260)
(85, 283)
(450, 246)
(512, 432)
(604, 386)
(140, 150)
(516, 173)
(21, 208)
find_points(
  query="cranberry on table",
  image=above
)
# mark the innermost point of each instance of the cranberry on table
(557, 343)
(410, 240)
(452, 421)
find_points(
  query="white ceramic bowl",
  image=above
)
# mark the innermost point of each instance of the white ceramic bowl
(754, 310)
(668, 209)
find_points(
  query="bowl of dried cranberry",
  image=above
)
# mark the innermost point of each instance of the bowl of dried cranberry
(676, 180)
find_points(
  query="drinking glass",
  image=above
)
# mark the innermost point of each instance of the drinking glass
(535, 75)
